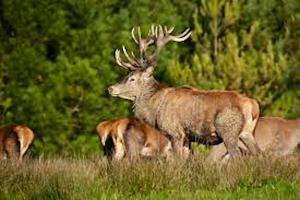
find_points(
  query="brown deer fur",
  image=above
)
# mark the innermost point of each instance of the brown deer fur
(183, 112)
(131, 138)
(274, 135)
(14, 141)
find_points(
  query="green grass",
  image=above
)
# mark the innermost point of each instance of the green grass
(91, 178)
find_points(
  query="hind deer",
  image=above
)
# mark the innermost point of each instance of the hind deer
(274, 135)
(14, 141)
(131, 138)
(182, 113)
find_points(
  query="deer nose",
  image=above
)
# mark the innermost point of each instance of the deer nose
(110, 89)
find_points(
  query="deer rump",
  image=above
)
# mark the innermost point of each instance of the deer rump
(274, 136)
(15, 141)
(131, 138)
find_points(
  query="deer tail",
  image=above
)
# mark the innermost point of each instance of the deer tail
(25, 138)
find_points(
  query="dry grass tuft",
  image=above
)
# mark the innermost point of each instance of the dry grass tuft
(79, 178)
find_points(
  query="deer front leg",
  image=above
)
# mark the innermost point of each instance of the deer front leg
(181, 146)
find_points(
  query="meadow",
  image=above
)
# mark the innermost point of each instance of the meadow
(96, 178)
(57, 61)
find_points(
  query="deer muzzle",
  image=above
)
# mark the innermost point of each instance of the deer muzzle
(110, 90)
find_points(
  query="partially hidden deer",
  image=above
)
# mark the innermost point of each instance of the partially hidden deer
(274, 136)
(15, 141)
(182, 112)
(131, 138)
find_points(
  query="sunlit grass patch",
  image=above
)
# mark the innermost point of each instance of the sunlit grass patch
(93, 178)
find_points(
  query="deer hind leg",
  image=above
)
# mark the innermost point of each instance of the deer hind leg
(216, 153)
(11, 148)
(229, 124)
(119, 145)
(3, 155)
(22, 151)
(24, 144)
(246, 135)
(148, 151)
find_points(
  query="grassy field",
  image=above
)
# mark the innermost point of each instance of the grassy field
(92, 178)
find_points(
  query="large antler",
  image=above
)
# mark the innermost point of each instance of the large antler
(163, 35)
(133, 62)
(158, 36)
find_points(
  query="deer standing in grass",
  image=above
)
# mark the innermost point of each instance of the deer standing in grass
(14, 141)
(131, 138)
(274, 135)
(182, 112)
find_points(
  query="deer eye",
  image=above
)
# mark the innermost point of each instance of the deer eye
(132, 79)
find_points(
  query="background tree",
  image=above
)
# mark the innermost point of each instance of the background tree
(237, 53)
(57, 59)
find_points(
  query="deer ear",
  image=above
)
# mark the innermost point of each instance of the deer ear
(17, 128)
(148, 72)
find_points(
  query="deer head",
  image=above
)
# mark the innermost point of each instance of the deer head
(140, 77)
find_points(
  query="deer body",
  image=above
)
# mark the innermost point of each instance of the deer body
(182, 113)
(14, 141)
(277, 135)
(131, 138)
(274, 135)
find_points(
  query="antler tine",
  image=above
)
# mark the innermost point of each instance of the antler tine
(139, 35)
(123, 64)
(181, 37)
(165, 29)
(170, 30)
(134, 57)
(131, 60)
(154, 30)
(118, 59)
(133, 35)
(160, 31)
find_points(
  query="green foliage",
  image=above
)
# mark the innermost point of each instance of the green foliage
(57, 59)
(228, 56)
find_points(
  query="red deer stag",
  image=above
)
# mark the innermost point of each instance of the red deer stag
(131, 138)
(274, 135)
(183, 112)
(14, 141)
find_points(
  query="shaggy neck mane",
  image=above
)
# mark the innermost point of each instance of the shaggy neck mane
(147, 92)
(142, 107)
